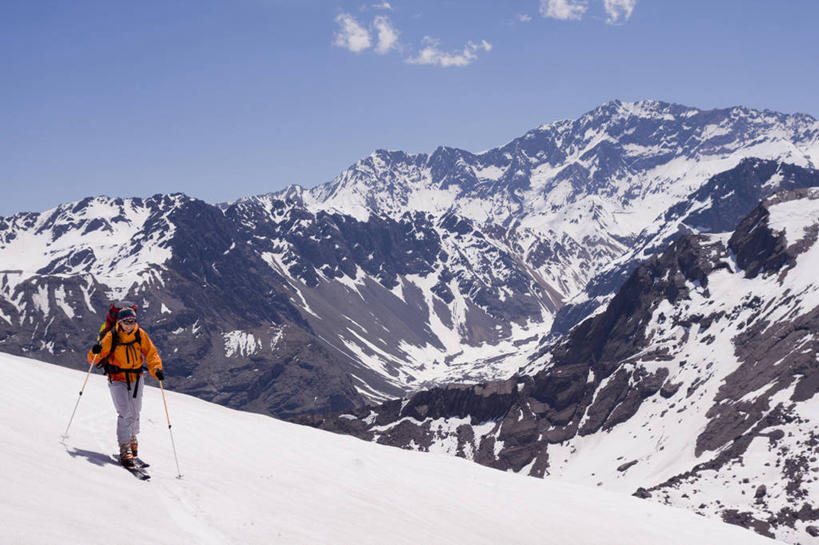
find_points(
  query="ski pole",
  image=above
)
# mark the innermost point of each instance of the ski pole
(173, 445)
(88, 374)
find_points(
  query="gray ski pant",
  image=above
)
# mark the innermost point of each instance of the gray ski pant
(128, 408)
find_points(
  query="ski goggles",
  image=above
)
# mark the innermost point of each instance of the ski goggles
(128, 321)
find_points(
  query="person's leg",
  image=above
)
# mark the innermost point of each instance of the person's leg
(124, 404)
(136, 409)
(120, 396)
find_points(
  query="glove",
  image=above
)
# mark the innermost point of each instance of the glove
(159, 374)
(96, 349)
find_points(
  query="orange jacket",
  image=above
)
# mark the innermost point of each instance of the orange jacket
(128, 354)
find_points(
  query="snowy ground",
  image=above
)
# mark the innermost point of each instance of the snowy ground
(252, 479)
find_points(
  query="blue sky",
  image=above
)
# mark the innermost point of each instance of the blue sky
(226, 99)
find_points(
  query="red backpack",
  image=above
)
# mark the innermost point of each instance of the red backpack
(111, 317)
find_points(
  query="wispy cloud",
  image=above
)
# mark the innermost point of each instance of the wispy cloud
(386, 33)
(431, 54)
(618, 9)
(382, 36)
(351, 35)
(524, 17)
(565, 10)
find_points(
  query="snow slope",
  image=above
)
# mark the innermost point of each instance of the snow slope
(252, 479)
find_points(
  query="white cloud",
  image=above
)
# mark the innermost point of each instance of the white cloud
(431, 54)
(616, 9)
(351, 35)
(524, 17)
(387, 34)
(382, 36)
(565, 10)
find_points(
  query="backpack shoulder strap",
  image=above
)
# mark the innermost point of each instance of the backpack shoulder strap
(114, 342)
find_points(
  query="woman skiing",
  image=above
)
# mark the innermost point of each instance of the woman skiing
(122, 352)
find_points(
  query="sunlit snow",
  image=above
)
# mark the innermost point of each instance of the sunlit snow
(251, 479)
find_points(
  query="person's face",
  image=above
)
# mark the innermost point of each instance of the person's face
(128, 324)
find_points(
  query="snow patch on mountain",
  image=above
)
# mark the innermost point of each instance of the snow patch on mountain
(240, 343)
(794, 218)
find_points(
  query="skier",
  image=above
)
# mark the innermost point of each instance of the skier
(122, 352)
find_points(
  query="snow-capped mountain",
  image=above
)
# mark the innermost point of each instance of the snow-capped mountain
(696, 386)
(633, 156)
(213, 306)
(551, 218)
(48, 243)
(570, 196)
(405, 271)
(252, 479)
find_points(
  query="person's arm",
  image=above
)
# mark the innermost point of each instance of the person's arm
(152, 358)
(104, 347)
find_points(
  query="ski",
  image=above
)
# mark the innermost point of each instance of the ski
(139, 462)
(136, 470)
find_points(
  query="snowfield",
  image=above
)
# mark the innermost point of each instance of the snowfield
(253, 479)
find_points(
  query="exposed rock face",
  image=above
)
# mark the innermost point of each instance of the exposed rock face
(695, 387)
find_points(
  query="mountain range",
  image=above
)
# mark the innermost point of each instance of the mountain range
(406, 270)
(625, 300)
